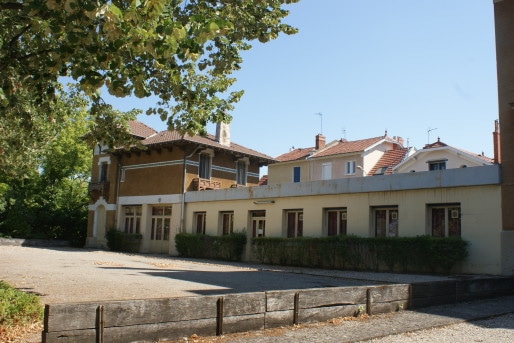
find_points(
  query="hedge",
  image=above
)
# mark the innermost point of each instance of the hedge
(395, 254)
(121, 241)
(228, 248)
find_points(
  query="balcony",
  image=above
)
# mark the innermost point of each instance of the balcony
(98, 189)
(204, 184)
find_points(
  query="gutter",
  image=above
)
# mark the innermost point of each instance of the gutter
(183, 203)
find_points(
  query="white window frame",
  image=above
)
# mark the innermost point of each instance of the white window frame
(449, 211)
(161, 223)
(205, 165)
(392, 221)
(199, 218)
(341, 215)
(326, 171)
(350, 167)
(132, 218)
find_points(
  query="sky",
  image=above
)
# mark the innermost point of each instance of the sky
(418, 69)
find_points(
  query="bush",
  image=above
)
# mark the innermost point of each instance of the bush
(121, 241)
(18, 308)
(228, 248)
(400, 254)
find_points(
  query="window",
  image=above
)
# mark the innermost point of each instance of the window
(161, 218)
(296, 174)
(103, 171)
(335, 221)
(132, 218)
(444, 220)
(258, 223)
(227, 223)
(380, 171)
(241, 172)
(199, 222)
(386, 221)
(437, 165)
(326, 171)
(350, 167)
(294, 223)
(204, 168)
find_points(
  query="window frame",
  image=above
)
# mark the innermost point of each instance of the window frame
(326, 171)
(452, 226)
(350, 167)
(160, 222)
(391, 221)
(437, 165)
(258, 223)
(297, 174)
(199, 220)
(293, 229)
(132, 220)
(341, 221)
(205, 165)
(226, 222)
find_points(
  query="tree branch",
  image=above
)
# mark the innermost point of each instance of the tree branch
(11, 6)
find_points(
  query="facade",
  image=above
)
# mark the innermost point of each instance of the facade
(138, 190)
(338, 159)
(440, 156)
(462, 202)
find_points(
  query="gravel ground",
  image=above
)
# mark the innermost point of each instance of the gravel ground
(72, 275)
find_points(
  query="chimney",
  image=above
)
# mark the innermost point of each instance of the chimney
(320, 141)
(399, 140)
(223, 134)
(496, 143)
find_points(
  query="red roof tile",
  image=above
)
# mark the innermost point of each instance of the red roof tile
(388, 160)
(140, 130)
(296, 154)
(439, 144)
(344, 146)
(170, 137)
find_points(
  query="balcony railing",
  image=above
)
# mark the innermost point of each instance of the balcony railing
(200, 184)
(97, 189)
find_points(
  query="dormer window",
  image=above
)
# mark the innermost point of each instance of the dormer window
(437, 165)
(380, 171)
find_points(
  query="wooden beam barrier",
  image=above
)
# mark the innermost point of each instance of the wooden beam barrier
(219, 316)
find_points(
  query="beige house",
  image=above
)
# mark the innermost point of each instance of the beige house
(440, 156)
(462, 202)
(338, 159)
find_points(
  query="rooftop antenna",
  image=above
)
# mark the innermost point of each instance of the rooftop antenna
(321, 118)
(343, 131)
(428, 133)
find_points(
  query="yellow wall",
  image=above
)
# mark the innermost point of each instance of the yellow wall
(480, 221)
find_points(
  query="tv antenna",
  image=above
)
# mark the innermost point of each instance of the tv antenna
(343, 131)
(321, 118)
(428, 133)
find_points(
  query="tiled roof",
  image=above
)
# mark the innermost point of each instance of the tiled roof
(170, 137)
(140, 130)
(344, 146)
(263, 181)
(439, 144)
(388, 160)
(296, 154)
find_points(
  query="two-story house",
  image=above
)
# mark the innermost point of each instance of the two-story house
(142, 189)
(338, 159)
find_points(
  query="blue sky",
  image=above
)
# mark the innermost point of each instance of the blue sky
(404, 66)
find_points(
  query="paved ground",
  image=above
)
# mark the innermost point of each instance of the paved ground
(70, 275)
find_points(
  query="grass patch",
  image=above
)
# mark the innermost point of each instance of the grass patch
(18, 310)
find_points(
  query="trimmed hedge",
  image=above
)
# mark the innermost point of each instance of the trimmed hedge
(121, 241)
(395, 254)
(228, 248)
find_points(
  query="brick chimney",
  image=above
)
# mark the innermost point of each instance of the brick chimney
(223, 134)
(496, 143)
(320, 141)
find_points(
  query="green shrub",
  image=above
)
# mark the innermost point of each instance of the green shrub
(228, 248)
(121, 241)
(18, 308)
(400, 254)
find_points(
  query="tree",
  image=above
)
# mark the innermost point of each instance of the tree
(51, 201)
(182, 51)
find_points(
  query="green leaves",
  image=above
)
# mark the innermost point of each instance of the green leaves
(182, 52)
